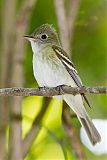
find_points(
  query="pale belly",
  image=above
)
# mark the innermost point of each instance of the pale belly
(51, 73)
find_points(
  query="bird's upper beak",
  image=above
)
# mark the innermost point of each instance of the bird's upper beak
(28, 37)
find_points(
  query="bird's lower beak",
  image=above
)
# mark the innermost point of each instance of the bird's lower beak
(28, 37)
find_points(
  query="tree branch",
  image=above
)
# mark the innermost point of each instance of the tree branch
(31, 135)
(18, 57)
(62, 23)
(52, 91)
(72, 135)
(72, 14)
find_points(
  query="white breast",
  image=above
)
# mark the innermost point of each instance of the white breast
(50, 72)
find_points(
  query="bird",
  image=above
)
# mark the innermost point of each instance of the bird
(52, 67)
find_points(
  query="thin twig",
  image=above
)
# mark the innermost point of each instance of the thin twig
(71, 133)
(52, 91)
(6, 47)
(18, 57)
(62, 23)
(31, 135)
(72, 14)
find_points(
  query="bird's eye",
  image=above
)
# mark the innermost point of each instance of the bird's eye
(44, 36)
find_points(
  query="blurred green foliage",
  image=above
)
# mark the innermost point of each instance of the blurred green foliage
(89, 53)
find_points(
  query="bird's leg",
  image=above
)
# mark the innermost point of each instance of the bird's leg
(60, 88)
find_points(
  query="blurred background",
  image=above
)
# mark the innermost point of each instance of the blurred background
(42, 128)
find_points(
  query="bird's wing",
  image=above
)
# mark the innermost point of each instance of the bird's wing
(62, 55)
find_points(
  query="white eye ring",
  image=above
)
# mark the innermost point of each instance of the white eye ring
(44, 36)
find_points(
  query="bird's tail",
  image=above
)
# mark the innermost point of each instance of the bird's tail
(76, 104)
(90, 129)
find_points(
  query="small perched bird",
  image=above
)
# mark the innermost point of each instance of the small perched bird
(52, 67)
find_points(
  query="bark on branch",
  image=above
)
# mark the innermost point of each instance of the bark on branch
(52, 91)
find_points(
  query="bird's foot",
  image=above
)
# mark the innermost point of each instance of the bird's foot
(60, 88)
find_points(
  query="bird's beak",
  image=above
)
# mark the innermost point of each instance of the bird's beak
(28, 37)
